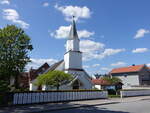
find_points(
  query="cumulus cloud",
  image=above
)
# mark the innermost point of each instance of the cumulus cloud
(63, 32)
(120, 63)
(90, 48)
(78, 12)
(109, 52)
(95, 50)
(148, 65)
(45, 4)
(7, 2)
(140, 50)
(141, 33)
(13, 16)
(35, 63)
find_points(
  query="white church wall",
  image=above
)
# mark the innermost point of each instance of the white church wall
(73, 60)
(82, 77)
(72, 45)
(76, 45)
(69, 45)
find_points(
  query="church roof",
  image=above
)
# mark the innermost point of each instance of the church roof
(73, 31)
(54, 66)
(134, 68)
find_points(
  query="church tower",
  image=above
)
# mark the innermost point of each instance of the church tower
(73, 56)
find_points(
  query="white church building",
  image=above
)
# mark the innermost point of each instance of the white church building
(72, 64)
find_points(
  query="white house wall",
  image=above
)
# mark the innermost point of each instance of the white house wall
(97, 86)
(129, 80)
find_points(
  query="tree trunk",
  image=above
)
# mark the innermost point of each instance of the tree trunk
(57, 87)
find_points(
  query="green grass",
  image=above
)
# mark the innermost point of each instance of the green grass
(114, 96)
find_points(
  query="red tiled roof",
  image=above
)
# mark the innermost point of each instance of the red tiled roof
(100, 82)
(135, 68)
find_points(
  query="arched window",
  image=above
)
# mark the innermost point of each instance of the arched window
(76, 85)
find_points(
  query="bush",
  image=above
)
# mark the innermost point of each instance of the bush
(111, 92)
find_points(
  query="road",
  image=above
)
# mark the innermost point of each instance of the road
(138, 106)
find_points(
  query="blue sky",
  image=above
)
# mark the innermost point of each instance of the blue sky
(113, 33)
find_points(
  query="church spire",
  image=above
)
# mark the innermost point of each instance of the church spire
(73, 31)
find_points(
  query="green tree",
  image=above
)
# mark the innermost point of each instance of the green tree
(97, 75)
(54, 79)
(14, 46)
(112, 80)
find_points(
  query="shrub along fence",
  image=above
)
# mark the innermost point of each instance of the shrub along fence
(134, 92)
(51, 96)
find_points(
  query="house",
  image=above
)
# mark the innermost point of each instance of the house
(72, 64)
(25, 77)
(102, 84)
(132, 76)
(23, 80)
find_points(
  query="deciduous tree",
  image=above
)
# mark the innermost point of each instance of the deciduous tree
(54, 79)
(14, 47)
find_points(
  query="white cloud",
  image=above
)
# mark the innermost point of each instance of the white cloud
(140, 33)
(86, 66)
(95, 50)
(13, 16)
(105, 69)
(148, 65)
(140, 50)
(63, 32)
(7, 2)
(45, 4)
(35, 63)
(78, 12)
(85, 34)
(95, 65)
(109, 52)
(90, 48)
(120, 63)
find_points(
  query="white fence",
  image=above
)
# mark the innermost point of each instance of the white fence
(138, 92)
(56, 96)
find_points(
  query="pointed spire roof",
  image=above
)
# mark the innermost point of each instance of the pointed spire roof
(73, 31)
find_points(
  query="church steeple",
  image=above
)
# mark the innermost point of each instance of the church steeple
(73, 56)
(73, 31)
(73, 40)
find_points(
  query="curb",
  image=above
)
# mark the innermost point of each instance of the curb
(72, 107)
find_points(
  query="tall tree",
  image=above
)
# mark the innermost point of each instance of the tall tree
(54, 79)
(14, 47)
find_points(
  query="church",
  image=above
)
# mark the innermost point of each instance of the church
(72, 64)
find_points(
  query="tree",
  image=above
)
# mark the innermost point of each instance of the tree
(112, 80)
(14, 46)
(97, 75)
(54, 79)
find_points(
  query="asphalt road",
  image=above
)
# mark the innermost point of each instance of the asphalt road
(139, 106)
